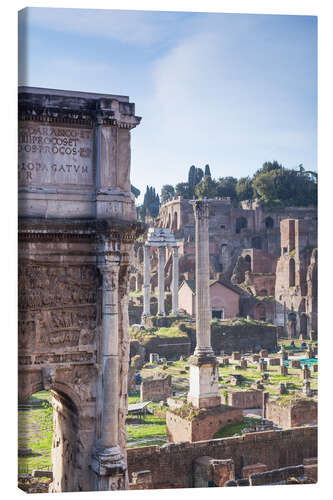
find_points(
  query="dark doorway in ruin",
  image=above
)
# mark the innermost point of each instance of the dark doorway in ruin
(247, 263)
(304, 324)
(256, 242)
(218, 313)
(241, 223)
(269, 223)
(260, 312)
(292, 272)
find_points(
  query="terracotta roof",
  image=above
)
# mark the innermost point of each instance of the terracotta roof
(227, 284)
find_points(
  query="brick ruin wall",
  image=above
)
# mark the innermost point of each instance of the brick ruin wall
(171, 347)
(243, 338)
(172, 464)
(198, 429)
(245, 399)
(301, 413)
(156, 389)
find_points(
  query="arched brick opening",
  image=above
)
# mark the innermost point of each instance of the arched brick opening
(140, 254)
(292, 272)
(269, 223)
(241, 223)
(260, 312)
(304, 324)
(175, 222)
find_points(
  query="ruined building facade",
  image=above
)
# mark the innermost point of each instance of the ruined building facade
(77, 228)
(245, 243)
(296, 278)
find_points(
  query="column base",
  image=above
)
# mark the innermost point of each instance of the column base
(109, 467)
(204, 389)
(204, 401)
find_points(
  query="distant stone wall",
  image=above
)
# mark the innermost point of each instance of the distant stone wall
(168, 347)
(156, 389)
(243, 338)
(245, 399)
(171, 465)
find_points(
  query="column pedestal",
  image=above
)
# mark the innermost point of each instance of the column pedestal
(109, 467)
(204, 381)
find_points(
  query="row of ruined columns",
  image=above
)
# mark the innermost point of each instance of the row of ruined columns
(161, 281)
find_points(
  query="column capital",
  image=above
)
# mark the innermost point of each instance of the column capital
(200, 208)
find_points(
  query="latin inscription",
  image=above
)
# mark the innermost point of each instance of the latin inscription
(51, 358)
(50, 154)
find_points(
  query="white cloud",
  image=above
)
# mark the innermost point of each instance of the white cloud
(142, 27)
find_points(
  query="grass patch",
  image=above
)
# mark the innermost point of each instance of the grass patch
(31, 434)
(232, 429)
(151, 429)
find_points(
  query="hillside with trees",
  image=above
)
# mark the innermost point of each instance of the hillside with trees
(272, 185)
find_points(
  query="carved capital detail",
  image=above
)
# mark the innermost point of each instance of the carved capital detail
(201, 209)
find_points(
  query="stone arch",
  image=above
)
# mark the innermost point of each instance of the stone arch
(241, 223)
(260, 312)
(66, 441)
(169, 221)
(304, 324)
(140, 254)
(292, 272)
(175, 221)
(269, 223)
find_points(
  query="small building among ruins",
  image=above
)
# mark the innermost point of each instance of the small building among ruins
(224, 298)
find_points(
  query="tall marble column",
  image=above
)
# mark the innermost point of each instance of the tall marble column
(108, 461)
(204, 390)
(146, 282)
(175, 280)
(161, 281)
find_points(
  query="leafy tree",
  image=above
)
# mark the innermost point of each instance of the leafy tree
(268, 166)
(244, 190)
(182, 189)
(167, 193)
(286, 187)
(227, 187)
(207, 188)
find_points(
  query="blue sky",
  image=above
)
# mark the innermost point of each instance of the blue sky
(230, 90)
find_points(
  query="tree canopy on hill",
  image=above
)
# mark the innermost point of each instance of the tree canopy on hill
(272, 185)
